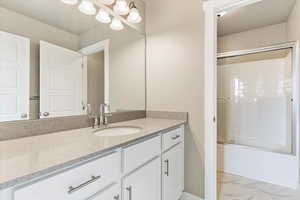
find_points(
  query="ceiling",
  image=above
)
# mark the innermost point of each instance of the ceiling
(264, 13)
(53, 12)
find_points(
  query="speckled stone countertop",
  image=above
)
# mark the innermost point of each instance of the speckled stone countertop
(28, 158)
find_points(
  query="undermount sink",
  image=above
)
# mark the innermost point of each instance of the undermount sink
(117, 131)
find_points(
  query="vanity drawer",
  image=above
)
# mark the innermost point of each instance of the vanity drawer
(173, 137)
(75, 184)
(138, 154)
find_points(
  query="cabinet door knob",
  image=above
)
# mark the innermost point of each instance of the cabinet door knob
(46, 114)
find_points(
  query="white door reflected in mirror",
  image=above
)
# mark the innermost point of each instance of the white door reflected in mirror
(14, 77)
(61, 81)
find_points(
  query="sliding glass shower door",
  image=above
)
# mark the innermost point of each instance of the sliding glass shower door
(255, 100)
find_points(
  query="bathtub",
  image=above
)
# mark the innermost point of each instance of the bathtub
(276, 168)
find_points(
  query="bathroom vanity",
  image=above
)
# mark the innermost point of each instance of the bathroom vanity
(147, 165)
(68, 65)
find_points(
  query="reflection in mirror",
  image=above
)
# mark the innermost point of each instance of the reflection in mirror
(57, 61)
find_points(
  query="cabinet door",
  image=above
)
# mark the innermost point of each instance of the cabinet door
(144, 183)
(113, 193)
(173, 173)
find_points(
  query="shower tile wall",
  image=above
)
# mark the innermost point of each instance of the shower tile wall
(254, 102)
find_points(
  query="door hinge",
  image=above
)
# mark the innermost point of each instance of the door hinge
(214, 119)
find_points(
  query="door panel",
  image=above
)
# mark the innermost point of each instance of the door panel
(14, 77)
(173, 173)
(144, 183)
(61, 81)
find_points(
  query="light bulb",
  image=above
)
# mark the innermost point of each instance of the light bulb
(134, 16)
(70, 2)
(87, 7)
(116, 24)
(121, 7)
(103, 16)
(107, 2)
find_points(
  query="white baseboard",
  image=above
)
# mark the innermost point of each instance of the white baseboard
(188, 196)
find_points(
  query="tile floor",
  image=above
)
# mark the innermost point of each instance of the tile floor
(232, 187)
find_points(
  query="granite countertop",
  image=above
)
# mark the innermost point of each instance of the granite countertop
(28, 158)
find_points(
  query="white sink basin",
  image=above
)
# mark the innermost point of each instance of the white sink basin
(117, 131)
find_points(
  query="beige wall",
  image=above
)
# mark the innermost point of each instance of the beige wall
(175, 74)
(95, 81)
(126, 67)
(260, 37)
(293, 27)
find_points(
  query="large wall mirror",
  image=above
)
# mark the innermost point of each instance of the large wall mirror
(56, 61)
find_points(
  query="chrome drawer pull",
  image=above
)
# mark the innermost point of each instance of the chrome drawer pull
(129, 189)
(167, 163)
(74, 189)
(175, 137)
(117, 197)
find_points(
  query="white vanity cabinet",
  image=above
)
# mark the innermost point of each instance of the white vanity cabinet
(147, 169)
(173, 173)
(173, 165)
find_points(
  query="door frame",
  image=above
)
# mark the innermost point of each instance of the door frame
(91, 49)
(211, 8)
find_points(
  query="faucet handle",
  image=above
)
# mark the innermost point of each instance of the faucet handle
(89, 110)
(107, 114)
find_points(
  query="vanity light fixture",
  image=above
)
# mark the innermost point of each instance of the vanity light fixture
(70, 2)
(134, 15)
(103, 16)
(87, 7)
(108, 2)
(116, 24)
(121, 7)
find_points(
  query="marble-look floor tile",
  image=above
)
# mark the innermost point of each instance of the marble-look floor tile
(233, 187)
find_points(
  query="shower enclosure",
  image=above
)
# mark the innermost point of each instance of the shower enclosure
(257, 108)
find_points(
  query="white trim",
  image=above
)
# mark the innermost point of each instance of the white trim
(211, 9)
(98, 47)
(94, 48)
(188, 196)
(285, 45)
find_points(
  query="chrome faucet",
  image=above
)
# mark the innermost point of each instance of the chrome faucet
(104, 114)
(94, 117)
